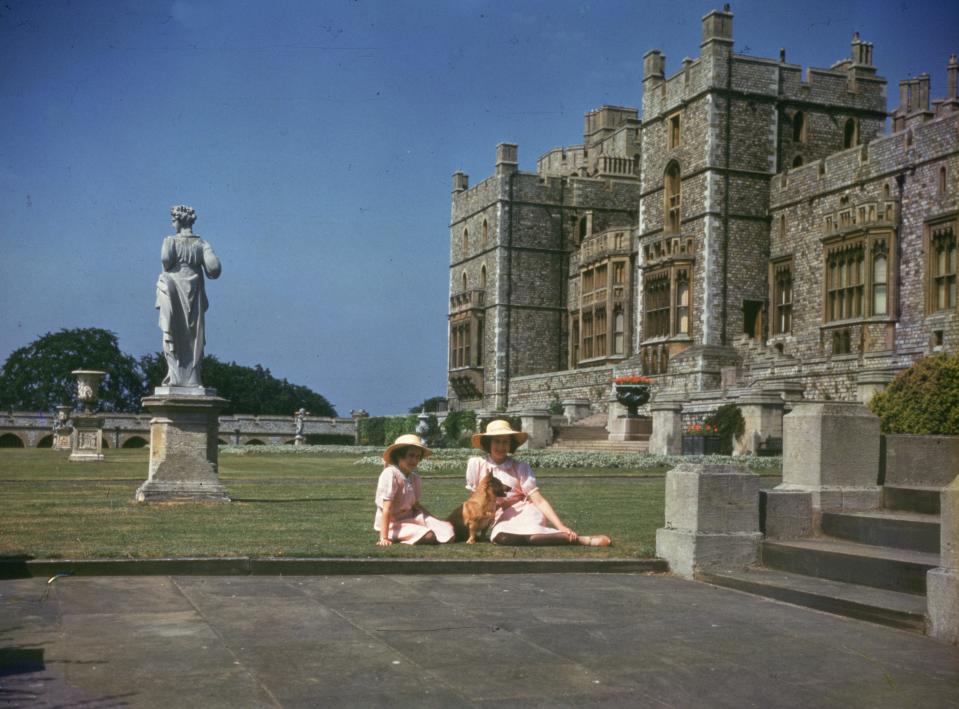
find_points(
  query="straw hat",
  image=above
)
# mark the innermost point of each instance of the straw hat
(499, 427)
(407, 439)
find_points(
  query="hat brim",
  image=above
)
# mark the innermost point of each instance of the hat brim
(389, 451)
(520, 436)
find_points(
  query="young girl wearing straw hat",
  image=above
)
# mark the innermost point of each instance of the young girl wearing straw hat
(399, 515)
(525, 516)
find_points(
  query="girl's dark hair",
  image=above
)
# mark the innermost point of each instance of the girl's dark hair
(398, 453)
(486, 440)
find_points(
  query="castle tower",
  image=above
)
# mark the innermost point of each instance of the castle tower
(714, 134)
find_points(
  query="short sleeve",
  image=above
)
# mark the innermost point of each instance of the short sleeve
(473, 472)
(386, 486)
(527, 480)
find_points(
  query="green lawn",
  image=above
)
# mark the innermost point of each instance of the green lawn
(289, 505)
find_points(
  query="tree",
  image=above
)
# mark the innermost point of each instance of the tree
(250, 390)
(37, 377)
(430, 406)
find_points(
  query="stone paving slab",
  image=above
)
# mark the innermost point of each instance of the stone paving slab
(523, 640)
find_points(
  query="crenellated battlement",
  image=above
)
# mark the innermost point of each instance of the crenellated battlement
(883, 157)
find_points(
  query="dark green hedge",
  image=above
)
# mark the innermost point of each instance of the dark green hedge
(922, 400)
(729, 422)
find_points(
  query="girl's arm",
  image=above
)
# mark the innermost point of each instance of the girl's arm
(550, 514)
(385, 518)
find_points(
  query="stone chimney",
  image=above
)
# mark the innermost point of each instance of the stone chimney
(718, 27)
(506, 158)
(461, 181)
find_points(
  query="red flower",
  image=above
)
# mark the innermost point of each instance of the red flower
(633, 380)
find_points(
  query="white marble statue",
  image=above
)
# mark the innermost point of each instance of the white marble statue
(181, 298)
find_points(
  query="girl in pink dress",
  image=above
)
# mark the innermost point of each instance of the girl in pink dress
(524, 516)
(399, 515)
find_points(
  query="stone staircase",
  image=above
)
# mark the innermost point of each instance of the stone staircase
(590, 434)
(869, 565)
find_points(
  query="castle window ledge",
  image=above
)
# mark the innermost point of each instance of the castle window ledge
(467, 300)
(852, 357)
(596, 361)
(879, 354)
(838, 324)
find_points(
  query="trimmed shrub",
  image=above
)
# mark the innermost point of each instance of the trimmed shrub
(729, 422)
(369, 431)
(922, 400)
(457, 427)
(396, 426)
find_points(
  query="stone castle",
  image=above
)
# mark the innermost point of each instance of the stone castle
(755, 229)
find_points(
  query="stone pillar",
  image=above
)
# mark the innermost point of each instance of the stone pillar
(575, 409)
(831, 450)
(763, 416)
(667, 434)
(942, 583)
(789, 390)
(87, 438)
(183, 446)
(535, 422)
(868, 384)
(712, 519)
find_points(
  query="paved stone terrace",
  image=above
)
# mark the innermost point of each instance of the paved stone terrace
(523, 640)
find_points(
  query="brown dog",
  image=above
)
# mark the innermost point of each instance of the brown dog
(476, 514)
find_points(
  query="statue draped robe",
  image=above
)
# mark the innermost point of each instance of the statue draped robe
(181, 300)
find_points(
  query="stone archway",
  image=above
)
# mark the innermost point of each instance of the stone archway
(134, 442)
(11, 440)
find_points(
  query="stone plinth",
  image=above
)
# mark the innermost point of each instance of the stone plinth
(575, 409)
(183, 447)
(763, 418)
(942, 583)
(712, 519)
(785, 514)
(63, 439)
(868, 384)
(86, 440)
(667, 434)
(631, 428)
(831, 450)
(535, 422)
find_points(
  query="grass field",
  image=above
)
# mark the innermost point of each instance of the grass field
(316, 505)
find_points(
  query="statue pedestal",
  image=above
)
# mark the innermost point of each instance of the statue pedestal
(183, 447)
(631, 428)
(62, 439)
(86, 441)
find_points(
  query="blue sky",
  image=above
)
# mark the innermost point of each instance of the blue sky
(317, 140)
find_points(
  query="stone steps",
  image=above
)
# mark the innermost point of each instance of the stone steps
(891, 608)
(914, 498)
(581, 433)
(900, 570)
(606, 446)
(885, 528)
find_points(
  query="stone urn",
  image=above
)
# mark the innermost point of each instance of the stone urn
(632, 395)
(423, 427)
(88, 387)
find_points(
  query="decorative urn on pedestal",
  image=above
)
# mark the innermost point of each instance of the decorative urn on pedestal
(631, 392)
(86, 441)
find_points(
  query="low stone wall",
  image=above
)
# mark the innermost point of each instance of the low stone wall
(920, 460)
(120, 428)
(539, 391)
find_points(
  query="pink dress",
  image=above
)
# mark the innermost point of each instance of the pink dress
(519, 516)
(407, 525)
